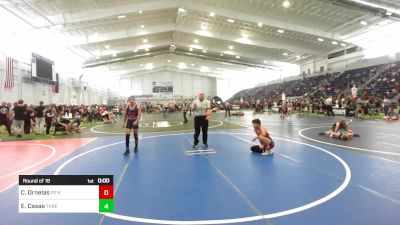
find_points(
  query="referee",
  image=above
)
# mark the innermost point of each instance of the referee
(202, 113)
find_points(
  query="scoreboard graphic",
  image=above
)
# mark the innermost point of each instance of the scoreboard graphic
(66, 193)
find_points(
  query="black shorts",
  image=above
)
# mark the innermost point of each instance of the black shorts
(129, 124)
(256, 148)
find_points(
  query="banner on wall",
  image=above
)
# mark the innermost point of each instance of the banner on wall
(9, 79)
(163, 87)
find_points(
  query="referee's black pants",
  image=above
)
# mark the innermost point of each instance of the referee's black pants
(329, 110)
(200, 122)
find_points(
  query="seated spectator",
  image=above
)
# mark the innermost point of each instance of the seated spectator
(61, 120)
(391, 115)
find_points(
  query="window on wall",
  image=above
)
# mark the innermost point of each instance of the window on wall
(321, 69)
(309, 71)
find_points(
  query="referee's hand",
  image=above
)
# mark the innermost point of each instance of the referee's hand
(207, 117)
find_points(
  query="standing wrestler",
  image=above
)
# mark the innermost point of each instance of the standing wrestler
(266, 143)
(202, 112)
(131, 121)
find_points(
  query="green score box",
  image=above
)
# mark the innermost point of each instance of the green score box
(106, 205)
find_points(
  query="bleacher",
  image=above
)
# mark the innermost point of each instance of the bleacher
(330, 85)
(387, 83)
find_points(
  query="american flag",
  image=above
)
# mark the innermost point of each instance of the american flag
(9, 81)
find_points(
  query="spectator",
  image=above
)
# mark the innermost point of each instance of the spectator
(19, 117)
(39, 117)
(5, 117)
(29, 115)
(49, 117)
(227, 109)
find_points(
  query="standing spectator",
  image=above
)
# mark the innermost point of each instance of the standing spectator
(29, 114)
(39, 117)
(49, 115)
(227, 109)
(290, 108)
(184, 110)
(19, 117)
(386, 105)
(5, 117)
(398, 104)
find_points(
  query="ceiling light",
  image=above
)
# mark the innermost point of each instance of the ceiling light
(147, 49)
(140, 12)
(281, 31)
(121, 16)
(149, 66)
(212, 14)
(168, 60)
(141, 65)
(298, 57)
(95, 34)
(334, 42)
(190, 49)
(145, 40)
(265, 61)
(181, 10)
(142, 26)
(204, 51)
(196, 41)
(238, 57)
(230, 20)
(343, 44)
(97, 57)
(181, 65)
(286, 3)
(388, 13)
(245, 35)
(259, 24)
(230, 47)
(204, 27)
(135, 50)
(285, 54)
(107, 46)
(320, 39)
(114, 54)
(363, 23)
(192, 64)
(204, 69)
(221, 54)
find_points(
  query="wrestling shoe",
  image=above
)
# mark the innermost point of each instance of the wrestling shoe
(136, 149)
(195, 145)
(126, 152)
(267, 153)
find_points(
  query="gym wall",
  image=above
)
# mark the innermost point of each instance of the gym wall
(185, 85)
(33, 92)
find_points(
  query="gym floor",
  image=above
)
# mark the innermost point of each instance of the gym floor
(311, 179)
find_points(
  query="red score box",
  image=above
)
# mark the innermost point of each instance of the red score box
(106, 191)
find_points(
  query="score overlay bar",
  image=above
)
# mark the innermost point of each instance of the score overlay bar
(66, 193)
